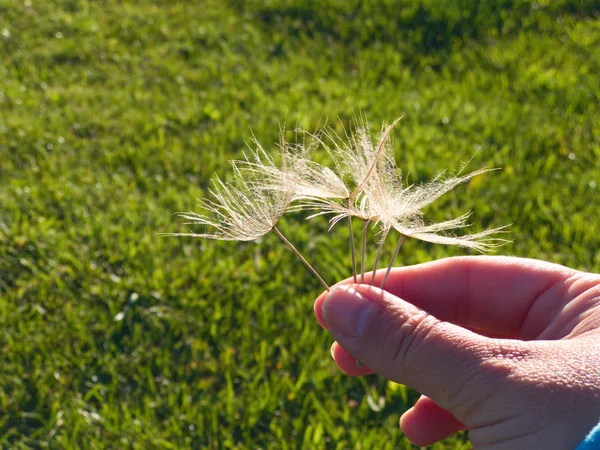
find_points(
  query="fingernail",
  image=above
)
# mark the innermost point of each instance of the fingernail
(345, 310)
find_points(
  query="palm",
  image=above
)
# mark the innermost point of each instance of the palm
(568, 309)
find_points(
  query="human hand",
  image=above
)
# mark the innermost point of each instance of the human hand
(507, 348)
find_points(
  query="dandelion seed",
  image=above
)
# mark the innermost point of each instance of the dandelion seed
(362, 160)
(402, 211)
(246, 209)
(381, 198)
(305, 179)
(357, 159)
(369, 157)
(262, 191)
(391, 205)
(238, 213)
(312, 182)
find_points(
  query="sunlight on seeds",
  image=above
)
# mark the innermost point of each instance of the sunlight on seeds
(365, 183)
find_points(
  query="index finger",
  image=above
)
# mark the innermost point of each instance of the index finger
(500, 296)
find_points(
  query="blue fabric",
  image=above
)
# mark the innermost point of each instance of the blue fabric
(592, 440)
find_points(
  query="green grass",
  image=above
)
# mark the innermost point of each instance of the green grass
(113, 115)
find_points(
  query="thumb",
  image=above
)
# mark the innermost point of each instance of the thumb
(405, 344)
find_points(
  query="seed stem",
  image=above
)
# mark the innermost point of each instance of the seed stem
(392, 261)
(363, 251)
(306, 263)
(351, 242)
(379, 249)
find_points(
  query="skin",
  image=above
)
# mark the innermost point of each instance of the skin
(507, 348)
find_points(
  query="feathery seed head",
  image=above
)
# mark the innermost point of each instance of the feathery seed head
(297, 173)
(381, 197)
(262, 191)
(239, 212)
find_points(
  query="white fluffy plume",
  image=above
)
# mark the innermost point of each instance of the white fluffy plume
(365, 183)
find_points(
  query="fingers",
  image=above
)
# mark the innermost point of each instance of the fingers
(490, 294)
(426, 423)
(347, 363)
(423, 424)
(405, 344)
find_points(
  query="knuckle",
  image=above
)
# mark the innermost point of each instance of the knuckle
(407, 334)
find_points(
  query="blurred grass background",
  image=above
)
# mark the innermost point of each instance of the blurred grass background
(114, 114)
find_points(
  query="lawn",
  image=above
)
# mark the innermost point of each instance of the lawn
(115, 114)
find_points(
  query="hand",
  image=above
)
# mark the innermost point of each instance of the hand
(507, 348)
